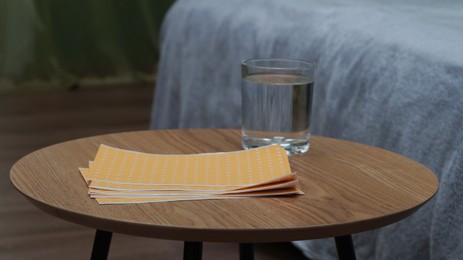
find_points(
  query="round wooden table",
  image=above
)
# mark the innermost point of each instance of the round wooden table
(349, 188)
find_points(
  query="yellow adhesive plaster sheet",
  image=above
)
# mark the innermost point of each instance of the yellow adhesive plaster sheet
(125, 200)
(123, 176)
(240, 168)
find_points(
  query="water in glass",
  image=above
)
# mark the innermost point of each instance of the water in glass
(276, 110)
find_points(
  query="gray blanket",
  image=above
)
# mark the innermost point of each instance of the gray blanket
(390, 74)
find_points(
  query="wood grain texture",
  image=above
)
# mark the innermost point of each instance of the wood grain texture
(349, 188)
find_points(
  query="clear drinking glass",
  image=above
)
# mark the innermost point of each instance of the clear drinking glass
(277, 103)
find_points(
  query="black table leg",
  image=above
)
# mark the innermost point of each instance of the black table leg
(101, 245)
(345, 248)
(246, 251)
(192, 250)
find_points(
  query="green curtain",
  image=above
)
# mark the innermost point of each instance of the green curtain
(50, 44)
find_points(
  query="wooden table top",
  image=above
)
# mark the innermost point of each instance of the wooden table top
(349, 188)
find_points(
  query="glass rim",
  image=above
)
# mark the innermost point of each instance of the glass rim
(310, 65)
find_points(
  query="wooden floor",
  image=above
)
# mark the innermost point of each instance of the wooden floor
(32, 121)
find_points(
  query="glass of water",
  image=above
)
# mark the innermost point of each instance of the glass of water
(277, 103)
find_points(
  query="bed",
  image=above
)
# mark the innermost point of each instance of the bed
(389, 74)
